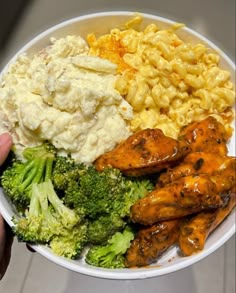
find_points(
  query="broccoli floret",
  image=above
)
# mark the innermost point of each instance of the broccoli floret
(74, 198)
(10, 182)
(18, 178)
(90, 195)
(101, 229)
(65, 177)
(71, 242)
(135, 188)
(39, 219)
(65, 171)
(111, 255)
(106, 192)
(46, 218)
(97, 191)
(105, 199)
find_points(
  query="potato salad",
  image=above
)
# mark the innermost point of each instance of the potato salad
(66, 97)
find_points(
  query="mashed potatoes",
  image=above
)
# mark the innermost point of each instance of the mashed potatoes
(66, 97)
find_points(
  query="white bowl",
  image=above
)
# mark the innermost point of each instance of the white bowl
(100, 23)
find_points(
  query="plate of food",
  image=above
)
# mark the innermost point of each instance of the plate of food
(123, 157)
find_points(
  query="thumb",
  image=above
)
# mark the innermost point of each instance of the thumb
(5, 146)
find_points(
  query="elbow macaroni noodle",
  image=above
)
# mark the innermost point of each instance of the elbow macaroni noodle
(168, 82)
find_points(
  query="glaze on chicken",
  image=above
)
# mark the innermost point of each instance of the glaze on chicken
(151, 242)
(207, 135)
(188, 195)
(194, 231)
(146, 152)
(199, 163)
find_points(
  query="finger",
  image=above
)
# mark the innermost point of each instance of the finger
(5, 146)
(6, 257)
(6, 249)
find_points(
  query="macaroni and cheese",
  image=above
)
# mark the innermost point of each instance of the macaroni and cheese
(168, 82)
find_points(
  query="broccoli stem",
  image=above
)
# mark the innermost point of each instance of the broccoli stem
(28, 167)
(52, 197)
(49, 219)
(41, 163)
(18, 178)
(35, 171)
(68, 216)
(31, 173)
(49, 168)
(34, 208)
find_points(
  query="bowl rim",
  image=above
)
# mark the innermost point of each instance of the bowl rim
(120, 274)
(69, 21)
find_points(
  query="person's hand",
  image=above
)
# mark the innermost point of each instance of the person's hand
(6, 240)
(6, 237)
(5, 146)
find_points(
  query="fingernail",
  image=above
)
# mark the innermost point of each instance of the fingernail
(5, 138)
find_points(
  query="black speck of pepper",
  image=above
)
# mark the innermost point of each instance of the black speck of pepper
(140, 145)
(198, 164)
(181, 193)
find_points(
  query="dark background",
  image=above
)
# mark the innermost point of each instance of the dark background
(10, 13)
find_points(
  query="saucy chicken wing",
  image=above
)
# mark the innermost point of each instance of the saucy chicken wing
(188, 195)
(208, 135)
(194, 232)
(151, 242)
(147, 151)
(199, 163)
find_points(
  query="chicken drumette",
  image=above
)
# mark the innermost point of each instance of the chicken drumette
(190, 200)
(147, 151)
(151, 242)
(207, 135)
(194, 231)
(188, 195)
(199, 163)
